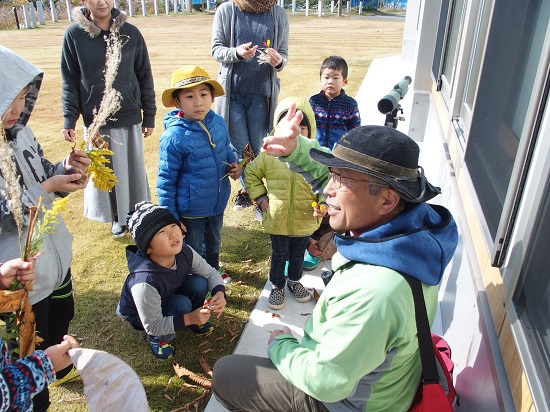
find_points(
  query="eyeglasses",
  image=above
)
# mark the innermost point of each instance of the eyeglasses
(337, 180)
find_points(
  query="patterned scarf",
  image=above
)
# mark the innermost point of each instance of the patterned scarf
(254, 6)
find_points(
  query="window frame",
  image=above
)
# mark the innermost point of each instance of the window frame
(530, 172)
(519, 245)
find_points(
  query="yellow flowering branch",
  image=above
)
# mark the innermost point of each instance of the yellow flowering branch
(103, 176)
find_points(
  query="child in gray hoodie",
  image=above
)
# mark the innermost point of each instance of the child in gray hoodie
(51, 298)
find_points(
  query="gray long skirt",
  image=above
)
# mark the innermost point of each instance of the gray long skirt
(129, 167)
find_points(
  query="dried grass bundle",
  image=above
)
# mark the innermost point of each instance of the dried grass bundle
(9, 172)
(104, 177)
(110, 103)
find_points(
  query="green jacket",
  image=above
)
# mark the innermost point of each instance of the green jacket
(359, 351)
(290, 212)
(359, 344)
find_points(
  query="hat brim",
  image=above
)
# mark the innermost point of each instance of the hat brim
(168, 100)
(414, 191)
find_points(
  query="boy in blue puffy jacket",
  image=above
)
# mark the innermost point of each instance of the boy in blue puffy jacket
(196, 161)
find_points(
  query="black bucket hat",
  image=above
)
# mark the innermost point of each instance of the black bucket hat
(385, 153)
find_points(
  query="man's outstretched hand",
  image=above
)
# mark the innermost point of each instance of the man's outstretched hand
(283, 142)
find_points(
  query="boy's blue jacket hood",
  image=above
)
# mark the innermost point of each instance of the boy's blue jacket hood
(419, 242)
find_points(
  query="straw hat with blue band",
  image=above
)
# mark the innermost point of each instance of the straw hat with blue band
(186, 77)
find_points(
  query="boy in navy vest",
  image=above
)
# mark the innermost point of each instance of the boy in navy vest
(168, 282)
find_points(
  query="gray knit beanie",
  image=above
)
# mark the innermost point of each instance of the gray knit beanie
(146, 220)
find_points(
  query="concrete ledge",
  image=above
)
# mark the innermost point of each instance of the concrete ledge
(253, 340)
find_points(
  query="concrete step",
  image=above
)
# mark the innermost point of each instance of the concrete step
(253, 340)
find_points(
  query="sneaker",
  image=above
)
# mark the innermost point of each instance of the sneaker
(73, 375)
(226, 278)
(258, 215)
(201, 330)
(242, 200)
(311, 262)
(162, 349)
(298, 291)
(276, 298)
(117, 230)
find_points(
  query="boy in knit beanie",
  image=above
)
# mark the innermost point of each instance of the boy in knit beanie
(168, 282)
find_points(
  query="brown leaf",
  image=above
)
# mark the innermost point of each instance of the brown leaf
(207, 350)
(206, 342)
(275, 315)
(205, 366)
(234, 337)
(316, 295)
(168, 397)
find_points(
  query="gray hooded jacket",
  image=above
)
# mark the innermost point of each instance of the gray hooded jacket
(32, 169)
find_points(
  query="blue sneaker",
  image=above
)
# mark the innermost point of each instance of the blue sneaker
(201, 330)
(162, 349)
(311, 262)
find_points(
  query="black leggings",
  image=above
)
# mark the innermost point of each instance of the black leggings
(53, 315)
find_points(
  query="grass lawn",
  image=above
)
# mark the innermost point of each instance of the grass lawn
(99, 265)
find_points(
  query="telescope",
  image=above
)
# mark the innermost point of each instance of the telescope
(389, 104)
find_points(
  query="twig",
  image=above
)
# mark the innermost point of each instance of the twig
(193, 402)
(33, 217)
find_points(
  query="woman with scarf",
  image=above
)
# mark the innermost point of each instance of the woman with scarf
(250, 41)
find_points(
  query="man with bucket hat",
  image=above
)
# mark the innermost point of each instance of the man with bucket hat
(196, 161)
(359, 351)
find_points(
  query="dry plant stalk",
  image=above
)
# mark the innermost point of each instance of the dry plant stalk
(33, 217)
(194, 403)
(182, 371)
(110, 103)
(9, 173)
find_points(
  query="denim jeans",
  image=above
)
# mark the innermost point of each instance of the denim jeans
(204, 236)
(283, 248)
(248, 121)
(188, 298)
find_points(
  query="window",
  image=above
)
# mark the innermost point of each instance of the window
(532, 302)
(494, 66)
(452, 46)
(505, 106)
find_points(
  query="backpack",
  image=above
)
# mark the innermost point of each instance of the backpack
(436, 391)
